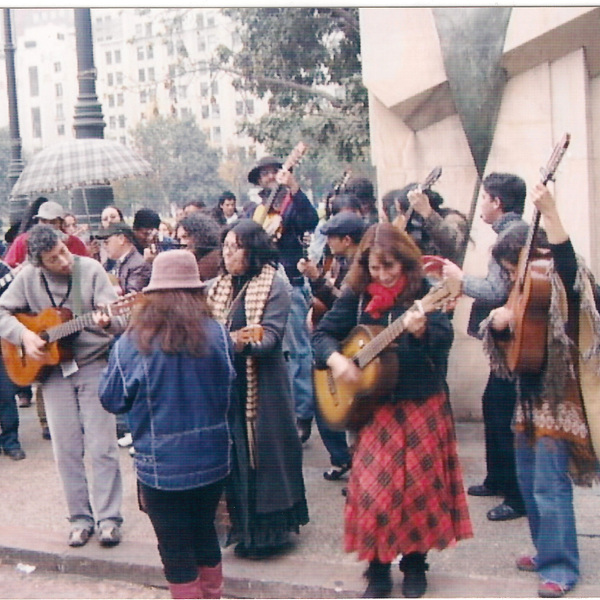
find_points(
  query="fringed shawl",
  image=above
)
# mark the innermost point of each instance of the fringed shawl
(220, 301)
(564, 400)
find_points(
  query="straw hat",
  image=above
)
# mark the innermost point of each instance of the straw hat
(174, 270)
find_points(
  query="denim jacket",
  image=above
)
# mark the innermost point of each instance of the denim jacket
(178, 408)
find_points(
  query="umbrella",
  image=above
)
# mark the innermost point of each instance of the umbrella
(79, 163)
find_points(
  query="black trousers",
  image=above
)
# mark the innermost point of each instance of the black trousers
(184, 523)
(499, 399)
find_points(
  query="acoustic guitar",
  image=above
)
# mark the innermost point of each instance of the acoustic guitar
(350, 405)
(529, 298)
(268, 212)
(52, 325)
(433, 176)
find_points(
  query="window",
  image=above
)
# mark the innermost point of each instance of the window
(122, 140)
(120, 100)
(205, 111)
(111, 100)
(36, 122)
(170, 48)
(60, 129)
(109, 58)
(215, 109)
(200, 21)
(60, 115)
(119, 78)
(34, 84)
(58, 89)
(152, 94)
(110, 80)
(141, 75)
(122, 121)
(216, 134)
(172, 70)
(201, 43)
(250, 106)
(150, 51)
(186, 112)
(151, 76)
(140, 53)
(30, 44)
(182, 91)
(112, 122)
(60, 36)
(239, 108)
(214, 88)
(210, 22)
(57, 67)
(148, 29)
(204, 89)
(143, 97)
(117, 56)
(138, 29)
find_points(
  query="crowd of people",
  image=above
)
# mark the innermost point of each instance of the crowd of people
(197, 349)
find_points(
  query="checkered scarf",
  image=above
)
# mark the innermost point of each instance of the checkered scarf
(220, 301)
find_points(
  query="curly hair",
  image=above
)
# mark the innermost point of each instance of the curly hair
(390, 244)
(204, 232)
(260, 249)
(41, 238)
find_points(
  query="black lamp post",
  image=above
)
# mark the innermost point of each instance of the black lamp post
(88, 120)
(16, 205)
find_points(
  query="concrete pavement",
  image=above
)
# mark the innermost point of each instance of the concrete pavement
(33, 530)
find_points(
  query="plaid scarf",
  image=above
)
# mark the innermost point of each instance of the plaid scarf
(221, 302)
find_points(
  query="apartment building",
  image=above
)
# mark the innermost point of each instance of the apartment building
(149, 61)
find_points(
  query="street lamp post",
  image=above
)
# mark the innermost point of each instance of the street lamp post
(16, 205)
(88, 120)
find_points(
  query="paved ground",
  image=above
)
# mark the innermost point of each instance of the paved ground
(33, 531)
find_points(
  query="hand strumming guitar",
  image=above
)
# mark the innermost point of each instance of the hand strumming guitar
(420, 202)
(343, 368)
(502, 317)
(287, 178)
(309, 269)
(33, 344)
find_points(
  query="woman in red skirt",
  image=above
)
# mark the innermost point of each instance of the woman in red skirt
(405, 494)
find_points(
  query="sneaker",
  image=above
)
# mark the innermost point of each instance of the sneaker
(46, 433)
(80, 534)
(526, 563)
(551, 589)
(23, 400)
(15, 454)
(109, 533)
(125, 441)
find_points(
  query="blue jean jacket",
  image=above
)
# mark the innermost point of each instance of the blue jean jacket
(178, 408)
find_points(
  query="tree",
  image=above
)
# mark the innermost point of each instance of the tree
(306, 61)
(5, 183)
(185, 166)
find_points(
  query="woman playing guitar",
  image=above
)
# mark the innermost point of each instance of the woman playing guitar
(384, 282)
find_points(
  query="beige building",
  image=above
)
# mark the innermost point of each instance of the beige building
(420, 117)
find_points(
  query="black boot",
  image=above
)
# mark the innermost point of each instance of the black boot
(379, 577)
(413, 566)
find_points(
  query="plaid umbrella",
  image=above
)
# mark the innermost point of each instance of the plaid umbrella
(79, 163)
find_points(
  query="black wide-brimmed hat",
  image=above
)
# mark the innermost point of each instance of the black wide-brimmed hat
(265, 161)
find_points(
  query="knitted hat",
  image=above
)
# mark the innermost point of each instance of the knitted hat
(265, 161)
(146, 218)
(174, 270)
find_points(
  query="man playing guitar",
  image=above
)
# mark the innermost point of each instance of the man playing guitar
(54, 277)
(296, 215)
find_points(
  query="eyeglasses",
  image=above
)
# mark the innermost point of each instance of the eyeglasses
(231, 248)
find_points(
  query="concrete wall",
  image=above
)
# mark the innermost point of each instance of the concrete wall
(552, 61)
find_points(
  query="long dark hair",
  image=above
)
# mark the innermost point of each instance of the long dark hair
(389, 243)
(175, 319)
(260, 249)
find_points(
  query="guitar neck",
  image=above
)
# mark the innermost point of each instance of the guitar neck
(381, 341)
(70, 327)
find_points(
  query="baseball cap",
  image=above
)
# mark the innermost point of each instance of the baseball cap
(344, 223)
(114, 229)
(50, 210)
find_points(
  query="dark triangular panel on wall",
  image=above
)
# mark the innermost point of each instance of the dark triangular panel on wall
(472, 41)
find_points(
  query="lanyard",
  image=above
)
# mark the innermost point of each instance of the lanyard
(50, 293)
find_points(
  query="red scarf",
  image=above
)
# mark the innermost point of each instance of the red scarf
(383, 298)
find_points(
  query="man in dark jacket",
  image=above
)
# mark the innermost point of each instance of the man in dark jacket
(296, 216)
(131, 270)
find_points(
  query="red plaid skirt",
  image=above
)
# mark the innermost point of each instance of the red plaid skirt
(406, 492)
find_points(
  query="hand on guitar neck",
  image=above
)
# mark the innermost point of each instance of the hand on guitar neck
(545, 203)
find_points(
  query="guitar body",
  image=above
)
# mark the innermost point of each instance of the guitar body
(345, 406)
(526, 351)
(21, 368)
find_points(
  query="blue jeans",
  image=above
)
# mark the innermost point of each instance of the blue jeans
(297, 344)
(9, 414)
(542, 469)
(334, 441)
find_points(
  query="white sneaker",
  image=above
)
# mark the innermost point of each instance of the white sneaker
(125, 441)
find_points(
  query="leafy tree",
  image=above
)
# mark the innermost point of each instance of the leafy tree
(5, 183)
(306, 62)
(185, 166)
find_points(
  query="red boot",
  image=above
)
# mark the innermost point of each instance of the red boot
(192, 589)
(211, 581)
